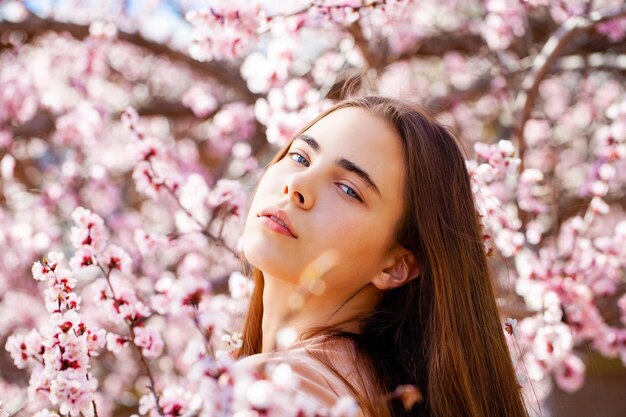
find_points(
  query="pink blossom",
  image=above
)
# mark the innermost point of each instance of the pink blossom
(89, 230)
(265, 72)
(17, 348)
(192, 196)
(224, 31)
(510, 326)
(614, 29)
(72, 393)
(46, 413)
(229, 196)
(233, 341)
(531, 192)
(149, 340)
(240, 286)
(503, 23)
(81, 125)
(553, 342)
(83, 257)
(233, 122)
(41, 272)
(18, 97)
(40, 383)
(174, 401)
(200, 101)
(148, 243)
(155, 177)
(115, 343)
(570, 375)
(95, 340)
(126, 307)
(114, 257)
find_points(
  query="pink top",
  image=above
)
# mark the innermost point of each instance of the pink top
(315, 379)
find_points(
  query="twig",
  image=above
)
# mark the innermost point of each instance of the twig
(205, 335)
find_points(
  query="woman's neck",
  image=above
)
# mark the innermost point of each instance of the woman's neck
(332, 308)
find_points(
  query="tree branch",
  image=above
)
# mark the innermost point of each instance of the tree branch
(33, 25)
(43, 123)
(362, 45)
(525, 101)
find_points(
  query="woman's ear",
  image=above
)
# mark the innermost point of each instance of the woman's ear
(402, 268)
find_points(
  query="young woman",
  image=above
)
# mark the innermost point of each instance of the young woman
(383, 188)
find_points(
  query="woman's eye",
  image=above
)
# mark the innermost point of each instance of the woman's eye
(299, 158)
(350, 192)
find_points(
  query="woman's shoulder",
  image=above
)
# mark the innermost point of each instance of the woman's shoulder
(311, 376)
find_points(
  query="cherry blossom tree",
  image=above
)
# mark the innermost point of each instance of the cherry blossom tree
(132, 133)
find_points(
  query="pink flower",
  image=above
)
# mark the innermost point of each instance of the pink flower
(39, 383)
(46, 413)
(95, 340)
(17, 348)
(174, 401)
(70, 321)
(570, 374)
(614, 29)
(148, 243)
(235, 122)
(232, 342)
(510, 327)
(229, 195)
(200, 101)
(149, 339)
(73, 393)
(239, 285)
(225, 30)
(89, 232)
(126, 307)
(43, 271)
(83, 258)
(553, 342)
(115, 343)
(114, 257)
(81, 125)
(154, 177)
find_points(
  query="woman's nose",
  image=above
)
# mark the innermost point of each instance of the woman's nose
(298, 190)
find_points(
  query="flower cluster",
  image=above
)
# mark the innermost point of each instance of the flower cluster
(58, 353)
(493, 171)
(224, 31)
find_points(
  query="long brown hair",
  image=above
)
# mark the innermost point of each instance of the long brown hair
(440, 332)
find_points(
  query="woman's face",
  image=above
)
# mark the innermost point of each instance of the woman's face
(341, 186)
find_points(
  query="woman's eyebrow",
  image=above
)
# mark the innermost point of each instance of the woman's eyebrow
(342, 162)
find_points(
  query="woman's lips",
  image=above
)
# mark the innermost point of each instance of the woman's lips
(277, 220)
(276, 226)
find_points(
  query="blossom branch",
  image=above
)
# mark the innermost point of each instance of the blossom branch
(34, 25)
(217, 240)
(130, 325)
(525, 101)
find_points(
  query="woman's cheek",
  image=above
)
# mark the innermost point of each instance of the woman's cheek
(351, 231)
